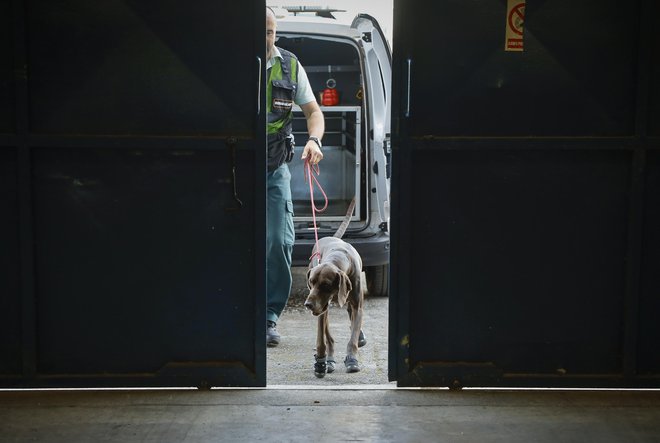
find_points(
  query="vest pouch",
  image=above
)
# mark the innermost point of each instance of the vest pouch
(282, 96)
(290, 144)
(280, 150)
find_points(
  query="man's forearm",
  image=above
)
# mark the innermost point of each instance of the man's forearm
(316, 124)
(315, 128)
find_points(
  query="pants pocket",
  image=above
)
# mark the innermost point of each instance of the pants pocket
(289, 234)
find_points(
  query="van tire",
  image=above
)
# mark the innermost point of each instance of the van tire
(377, 280)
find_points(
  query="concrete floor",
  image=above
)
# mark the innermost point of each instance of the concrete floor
(298, 407)
(329, 415)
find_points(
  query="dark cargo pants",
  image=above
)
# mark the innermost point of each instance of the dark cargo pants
(279, 241)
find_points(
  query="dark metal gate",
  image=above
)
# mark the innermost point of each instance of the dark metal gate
(132, 194)
(527, 184)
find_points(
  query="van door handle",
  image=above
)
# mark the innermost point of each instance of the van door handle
(407, 113)
(259, 86)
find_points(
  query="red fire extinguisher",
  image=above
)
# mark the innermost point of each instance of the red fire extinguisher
(330, 95)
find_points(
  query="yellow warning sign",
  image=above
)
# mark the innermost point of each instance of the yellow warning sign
(515, 19)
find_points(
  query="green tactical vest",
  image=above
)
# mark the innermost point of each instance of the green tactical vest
(281, 87)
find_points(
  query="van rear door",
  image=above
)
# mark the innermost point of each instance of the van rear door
(378, 79)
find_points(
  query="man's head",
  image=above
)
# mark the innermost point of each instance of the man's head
(271, 29)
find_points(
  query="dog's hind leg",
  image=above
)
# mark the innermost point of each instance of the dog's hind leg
(362, 340)
(352, 347)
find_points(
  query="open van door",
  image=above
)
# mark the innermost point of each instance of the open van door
(378, 73)
(378, 77)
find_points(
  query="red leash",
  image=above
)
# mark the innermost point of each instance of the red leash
(308, 178)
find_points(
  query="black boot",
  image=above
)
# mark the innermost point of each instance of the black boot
(272, 336)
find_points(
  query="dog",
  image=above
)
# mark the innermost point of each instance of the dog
(337, 276)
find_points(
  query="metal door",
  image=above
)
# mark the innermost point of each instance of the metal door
(133, 187)
(525, 194)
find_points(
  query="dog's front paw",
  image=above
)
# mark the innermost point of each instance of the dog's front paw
(331, 365)
(351, 364)
(320, 367)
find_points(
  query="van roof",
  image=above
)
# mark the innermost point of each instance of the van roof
(319, 11)
(308, 23)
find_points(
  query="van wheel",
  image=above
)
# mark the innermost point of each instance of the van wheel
(377, 280)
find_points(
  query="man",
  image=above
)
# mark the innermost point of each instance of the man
(286, 84)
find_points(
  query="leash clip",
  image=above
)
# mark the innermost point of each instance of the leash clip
(315, 259)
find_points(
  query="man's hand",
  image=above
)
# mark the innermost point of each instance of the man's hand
(313, 152)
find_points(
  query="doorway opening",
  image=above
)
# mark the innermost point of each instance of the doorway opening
(346, 52)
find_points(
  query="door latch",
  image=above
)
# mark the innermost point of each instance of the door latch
(231, 144)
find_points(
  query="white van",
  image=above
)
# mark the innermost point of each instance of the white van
(354, 60)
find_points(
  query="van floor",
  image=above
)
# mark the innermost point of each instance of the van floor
(335, 207)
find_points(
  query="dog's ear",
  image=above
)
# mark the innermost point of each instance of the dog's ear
(345, 287)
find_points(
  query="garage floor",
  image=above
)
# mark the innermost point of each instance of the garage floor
(297, 406)
(320, 415)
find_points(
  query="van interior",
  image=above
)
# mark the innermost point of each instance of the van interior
(340, 173)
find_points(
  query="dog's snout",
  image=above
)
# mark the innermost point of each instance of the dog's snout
(313, 305)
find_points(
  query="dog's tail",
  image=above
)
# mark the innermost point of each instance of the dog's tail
(347, 220)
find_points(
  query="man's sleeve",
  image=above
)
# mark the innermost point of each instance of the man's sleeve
(304, 94)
